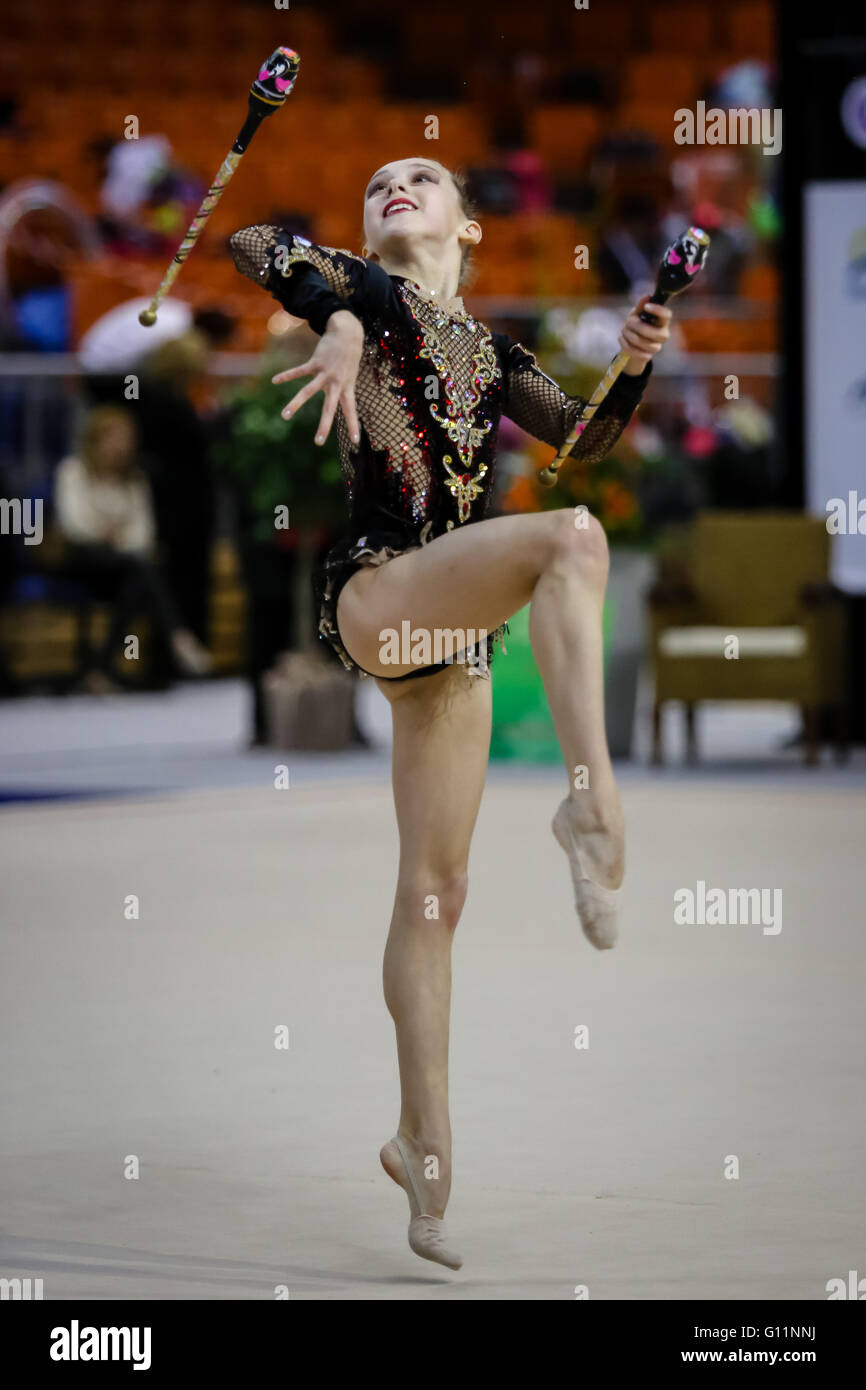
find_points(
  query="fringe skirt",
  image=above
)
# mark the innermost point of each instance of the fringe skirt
(376, 547)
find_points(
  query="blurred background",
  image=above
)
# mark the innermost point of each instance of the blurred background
(141, 470)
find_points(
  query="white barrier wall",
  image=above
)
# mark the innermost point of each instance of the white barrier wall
(834, 369)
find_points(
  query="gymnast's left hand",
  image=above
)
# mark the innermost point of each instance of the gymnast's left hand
(334, 369)
(643, 340)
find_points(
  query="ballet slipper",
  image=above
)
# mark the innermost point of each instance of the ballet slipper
(427, 1234)
(597, 906)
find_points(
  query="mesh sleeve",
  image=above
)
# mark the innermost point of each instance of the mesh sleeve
(539, 406)
(311, 282)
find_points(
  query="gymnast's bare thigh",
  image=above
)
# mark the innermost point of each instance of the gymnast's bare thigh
(471, 580)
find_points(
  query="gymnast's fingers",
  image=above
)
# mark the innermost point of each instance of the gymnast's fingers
(303, 396)
(291, 372)
(637, 347)
(347, 401)
(647, 332)
(660, 312)
(332, 396)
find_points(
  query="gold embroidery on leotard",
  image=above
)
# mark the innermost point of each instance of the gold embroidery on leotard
(459, 420)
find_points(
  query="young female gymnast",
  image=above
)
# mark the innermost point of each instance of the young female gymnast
(421, 386)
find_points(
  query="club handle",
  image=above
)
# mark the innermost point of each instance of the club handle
(548, 476)
(683, 259)
(255, 116)
(658, 298)
(258, 110)
(147, 317)
(268, 93)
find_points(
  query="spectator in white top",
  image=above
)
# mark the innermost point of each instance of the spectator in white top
(103, 508)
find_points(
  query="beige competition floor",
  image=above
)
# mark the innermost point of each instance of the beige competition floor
(602, 1167)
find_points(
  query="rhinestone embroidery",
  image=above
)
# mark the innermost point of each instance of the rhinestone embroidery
(425, 462)
(303, 250)
(464, 432)
(409, 430)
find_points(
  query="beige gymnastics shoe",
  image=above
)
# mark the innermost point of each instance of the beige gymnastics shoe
(597, 906)
(427, 1234)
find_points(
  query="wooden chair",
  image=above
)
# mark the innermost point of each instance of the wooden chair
(746, 611)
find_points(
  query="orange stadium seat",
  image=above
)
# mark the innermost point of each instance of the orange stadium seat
(729, 335)
(649, 118)
(760, 281)
(14, 67)
(463, 138)
(340, 229)
(555, 237)
(681, 28)
(429, 43)
(399, 132)
(184, 69)
(506, 261)
(658, 77)
(351, 78)
(565, 136)
(512, 29)
(603, 31)
(710, 66)
(94, 293)
(401, 126)
(16, 159)
(751, 31)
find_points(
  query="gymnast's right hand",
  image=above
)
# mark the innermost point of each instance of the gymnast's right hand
(334, 369)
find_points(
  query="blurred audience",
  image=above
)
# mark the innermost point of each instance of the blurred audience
(628, 193)
(631, 247)
(116, 342)
(147, 200)
(177, 440)
(175, 437)
(266, 469)
(104, 511)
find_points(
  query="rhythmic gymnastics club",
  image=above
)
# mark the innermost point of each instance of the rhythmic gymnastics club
(682, 261)
(267, 94)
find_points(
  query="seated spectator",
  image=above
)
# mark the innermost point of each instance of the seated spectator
(630, 247)
(104, 510)
(147, 200)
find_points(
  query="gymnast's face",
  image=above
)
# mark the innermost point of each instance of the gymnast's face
(414, 201)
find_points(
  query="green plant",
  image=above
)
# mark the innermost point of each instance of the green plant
(272, 462)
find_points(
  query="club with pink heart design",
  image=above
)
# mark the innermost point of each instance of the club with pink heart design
(268, 93)
(682, 261)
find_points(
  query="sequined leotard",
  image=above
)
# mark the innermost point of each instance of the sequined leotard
(432, 385)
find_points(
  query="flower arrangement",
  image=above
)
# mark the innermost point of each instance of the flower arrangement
(611, 490)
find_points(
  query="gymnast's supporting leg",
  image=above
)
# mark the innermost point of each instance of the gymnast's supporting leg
(441, 741)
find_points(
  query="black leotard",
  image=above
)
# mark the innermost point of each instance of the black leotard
(432, 385)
